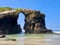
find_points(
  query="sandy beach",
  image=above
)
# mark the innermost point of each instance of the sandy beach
(47, 40)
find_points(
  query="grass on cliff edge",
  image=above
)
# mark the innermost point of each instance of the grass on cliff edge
(5, 9)
(8, 8)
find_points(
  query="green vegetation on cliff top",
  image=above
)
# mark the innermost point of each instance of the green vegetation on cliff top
(8, 8)
(18, 8)
(5, 9)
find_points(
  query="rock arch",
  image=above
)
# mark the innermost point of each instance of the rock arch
(34, 22)
(21, 21)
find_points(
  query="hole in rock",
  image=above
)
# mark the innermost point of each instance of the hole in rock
(21, 21)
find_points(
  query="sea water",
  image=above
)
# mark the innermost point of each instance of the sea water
(57, 31)
(36, 39)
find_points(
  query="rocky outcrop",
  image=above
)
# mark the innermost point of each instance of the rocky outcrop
(8, 22)
(34, 22)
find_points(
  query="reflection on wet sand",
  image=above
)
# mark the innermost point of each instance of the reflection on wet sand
(14, 39)
(48, 40)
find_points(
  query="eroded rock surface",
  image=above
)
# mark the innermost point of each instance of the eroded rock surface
(8, 22)
(34, 22)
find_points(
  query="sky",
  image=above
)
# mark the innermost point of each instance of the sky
(51, 9)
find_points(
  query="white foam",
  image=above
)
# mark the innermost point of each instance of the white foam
(56, 32)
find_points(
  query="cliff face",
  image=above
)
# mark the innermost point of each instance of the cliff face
(34, 21)
(8, 22)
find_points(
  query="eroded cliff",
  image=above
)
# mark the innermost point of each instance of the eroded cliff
(34, 21)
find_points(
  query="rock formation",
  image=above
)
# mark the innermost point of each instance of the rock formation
(34, 21)
(8, 22)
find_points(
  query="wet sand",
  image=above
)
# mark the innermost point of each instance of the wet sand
(47, 40)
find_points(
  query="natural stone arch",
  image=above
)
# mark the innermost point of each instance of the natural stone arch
(34, 21)
(33, 18)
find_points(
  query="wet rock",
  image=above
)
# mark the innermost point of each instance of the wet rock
(10, 39)
(2, 36)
